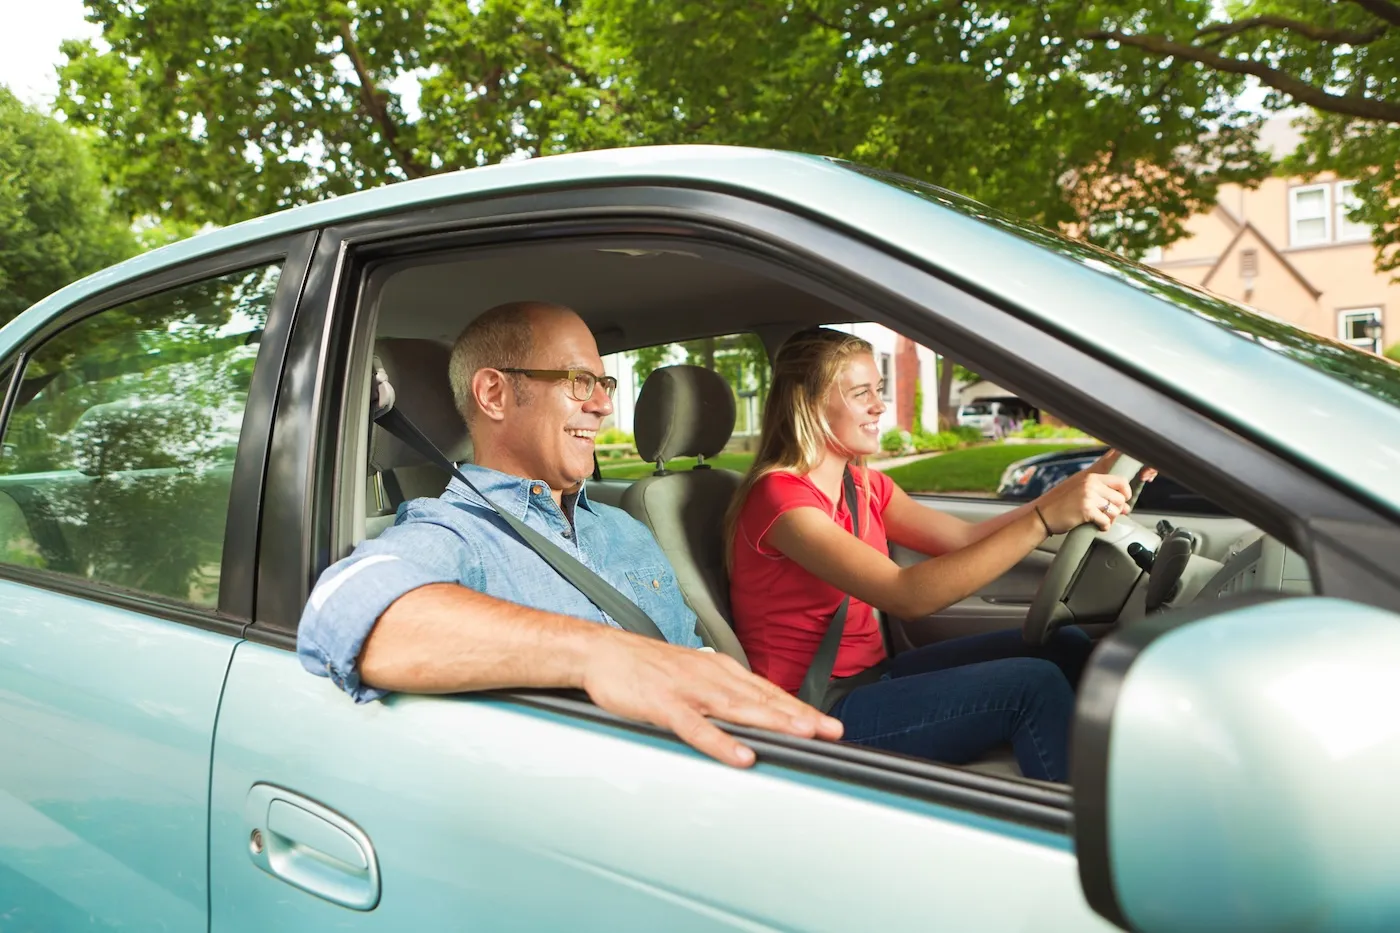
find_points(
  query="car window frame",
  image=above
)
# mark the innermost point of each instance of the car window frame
(234, 607)
(307, 505)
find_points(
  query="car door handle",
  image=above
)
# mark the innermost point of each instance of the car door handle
(311, 847)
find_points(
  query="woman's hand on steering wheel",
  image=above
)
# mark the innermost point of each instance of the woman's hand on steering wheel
(1085, 497)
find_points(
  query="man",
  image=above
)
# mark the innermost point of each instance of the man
(450, 599)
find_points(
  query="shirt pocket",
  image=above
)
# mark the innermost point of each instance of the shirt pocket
(654, 590)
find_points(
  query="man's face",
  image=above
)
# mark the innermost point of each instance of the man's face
(551, 434)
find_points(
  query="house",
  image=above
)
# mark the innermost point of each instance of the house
(1288, 249)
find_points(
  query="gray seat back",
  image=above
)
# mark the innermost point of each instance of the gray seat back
(688, 411)
(416, 372)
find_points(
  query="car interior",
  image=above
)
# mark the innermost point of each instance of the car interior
(638, 293)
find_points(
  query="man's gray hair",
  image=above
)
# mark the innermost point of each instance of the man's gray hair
(499, 338)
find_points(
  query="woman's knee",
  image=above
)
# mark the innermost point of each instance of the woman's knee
(1040, 678)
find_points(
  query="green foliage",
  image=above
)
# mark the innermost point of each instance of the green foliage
(1392, 352)
(942, 440)
(968, 433)
(221, 109)
(1033, 429)
(896, 441)
(55, 223)
(614, 435)
(976, 469)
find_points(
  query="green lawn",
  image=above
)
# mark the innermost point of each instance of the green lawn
(632, 468)
(974, 469)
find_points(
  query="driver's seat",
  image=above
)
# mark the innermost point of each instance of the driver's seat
(688, 411)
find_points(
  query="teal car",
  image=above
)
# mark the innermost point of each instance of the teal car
(188, 444)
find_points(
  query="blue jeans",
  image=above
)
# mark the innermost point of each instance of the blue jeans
(954, 701)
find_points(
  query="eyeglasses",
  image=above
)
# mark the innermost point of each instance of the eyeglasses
(581, 381)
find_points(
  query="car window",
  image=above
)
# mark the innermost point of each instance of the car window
(739, 358)
(118, 456)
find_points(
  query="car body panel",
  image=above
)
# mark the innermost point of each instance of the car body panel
(1120, 310)
(507, 817)
(106, 722)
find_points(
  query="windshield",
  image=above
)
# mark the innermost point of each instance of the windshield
(976, 410)
(1367, 371)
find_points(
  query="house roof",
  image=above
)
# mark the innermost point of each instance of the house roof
(1246, 228)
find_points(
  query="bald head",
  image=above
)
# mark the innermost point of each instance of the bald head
(502, 337)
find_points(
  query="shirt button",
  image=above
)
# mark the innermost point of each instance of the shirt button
(656, 584)
(536, 489)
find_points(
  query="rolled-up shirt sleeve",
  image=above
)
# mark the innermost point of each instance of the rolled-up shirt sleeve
(353, 593)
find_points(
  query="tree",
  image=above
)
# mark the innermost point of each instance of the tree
(1340, 58)
(220, 110)
(55, 222)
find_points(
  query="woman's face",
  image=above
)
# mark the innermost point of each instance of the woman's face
(854, 406)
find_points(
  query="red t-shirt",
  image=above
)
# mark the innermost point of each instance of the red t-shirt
(780, 610)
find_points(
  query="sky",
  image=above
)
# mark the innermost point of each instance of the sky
(29, 43)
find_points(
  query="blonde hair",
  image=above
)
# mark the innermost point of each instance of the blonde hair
(795, 432)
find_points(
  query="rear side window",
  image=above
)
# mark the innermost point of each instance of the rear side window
(117, 459)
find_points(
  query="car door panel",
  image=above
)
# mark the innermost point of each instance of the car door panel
(487, 814)
(105, 719)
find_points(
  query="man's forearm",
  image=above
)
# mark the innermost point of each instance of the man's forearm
(445, 638)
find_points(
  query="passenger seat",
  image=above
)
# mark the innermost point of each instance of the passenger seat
(688, 411)
(417, 371)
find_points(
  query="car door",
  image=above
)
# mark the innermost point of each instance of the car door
(131, 442)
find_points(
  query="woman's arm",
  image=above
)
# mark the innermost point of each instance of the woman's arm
(826, 550)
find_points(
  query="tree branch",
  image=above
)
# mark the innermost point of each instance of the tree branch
(1301, 91)
(1381, 9)
(372, 99)
(1309, 30)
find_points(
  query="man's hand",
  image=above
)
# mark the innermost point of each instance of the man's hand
(677, 688)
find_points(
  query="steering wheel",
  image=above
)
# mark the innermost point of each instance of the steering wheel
(1048, 610)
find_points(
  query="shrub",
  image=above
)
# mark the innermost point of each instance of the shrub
(614, 435)
(895, 441)
(968, 433)
(1392, 352)
(1033, 430)
(943, 440)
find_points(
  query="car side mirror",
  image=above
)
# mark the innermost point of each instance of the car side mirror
(1236, 769)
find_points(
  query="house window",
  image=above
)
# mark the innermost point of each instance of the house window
(1353, 327)
(1310, 215)
(887, 378)
(1346, 203)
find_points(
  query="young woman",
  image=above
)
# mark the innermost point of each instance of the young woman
(794, 560)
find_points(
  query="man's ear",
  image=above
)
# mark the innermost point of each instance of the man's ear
(492, 393)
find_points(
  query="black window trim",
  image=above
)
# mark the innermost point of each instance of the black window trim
(909, 294)
(236, 578)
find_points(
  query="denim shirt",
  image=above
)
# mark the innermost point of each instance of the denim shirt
(457, 538)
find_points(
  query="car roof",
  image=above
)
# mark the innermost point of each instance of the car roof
(1113, 308)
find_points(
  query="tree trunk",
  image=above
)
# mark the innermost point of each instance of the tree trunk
(947, 413)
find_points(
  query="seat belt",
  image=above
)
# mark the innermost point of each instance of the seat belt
(600, 592)
(818, 679)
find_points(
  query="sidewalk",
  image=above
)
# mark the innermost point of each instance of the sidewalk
(883, 465)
